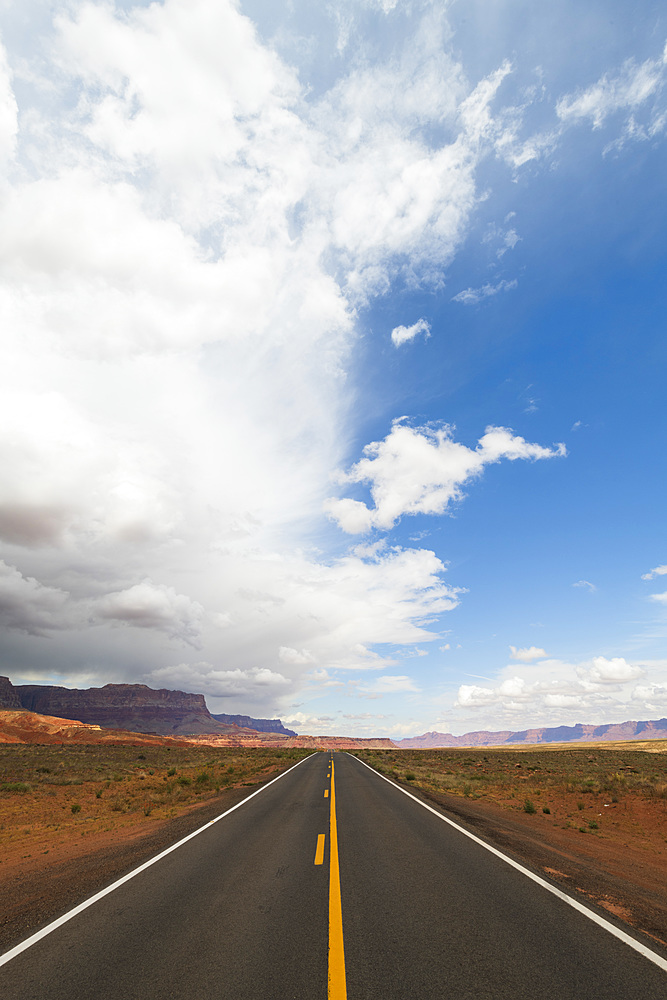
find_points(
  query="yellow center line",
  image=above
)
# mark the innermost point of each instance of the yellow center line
(326, 793)
(337, 987)
(319, 850)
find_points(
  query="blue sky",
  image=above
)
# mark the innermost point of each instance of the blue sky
(333, 357)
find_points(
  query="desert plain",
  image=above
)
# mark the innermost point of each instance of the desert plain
(73, 817)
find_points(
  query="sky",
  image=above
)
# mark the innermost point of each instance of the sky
(333, 357)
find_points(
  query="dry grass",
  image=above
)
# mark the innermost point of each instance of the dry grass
(613, 791)
(50, 795)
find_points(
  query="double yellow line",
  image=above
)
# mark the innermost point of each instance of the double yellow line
(337, 987)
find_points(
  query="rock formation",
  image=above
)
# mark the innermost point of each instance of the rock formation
(259, 725)
(133, 707)
(9, 697)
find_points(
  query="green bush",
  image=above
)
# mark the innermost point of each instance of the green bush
(76, 807)
(14, 786)
(547, 810)
(410, 776)
(529, 807)
(184, 781)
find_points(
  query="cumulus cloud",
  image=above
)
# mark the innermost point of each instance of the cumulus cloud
(554, 692)
(154, 606)
(421, 470)
(651, 697)
(219, 683)
(659, 598)
(527, 654)
(184, 252)
(404, 334)
(657, 571)
(614, 671)
(288, 655)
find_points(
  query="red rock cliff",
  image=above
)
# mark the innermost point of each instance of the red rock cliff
(125, 706)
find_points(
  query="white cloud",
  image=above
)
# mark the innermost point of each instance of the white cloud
(614, 671)
(288, 655)
(154, 606)
(218, 683)
(184, 246)
(390, 684)
(471, 296)
(585, 584)
(631, 87)
(659, 598)
(8, 111)
(555, 692)
(651, 697)
(404, 334)
(527, 654)
(421, 470)
(658, 571)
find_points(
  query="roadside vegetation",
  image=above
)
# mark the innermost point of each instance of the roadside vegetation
(52, 794)
(598, 790)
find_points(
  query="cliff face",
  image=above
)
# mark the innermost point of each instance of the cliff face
(9, 697)
(260, 725)
(134, 707)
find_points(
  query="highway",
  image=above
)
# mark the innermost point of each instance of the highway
(330, 883)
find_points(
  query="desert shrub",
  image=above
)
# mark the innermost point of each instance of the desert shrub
(202, 778)
(76, 807)
(183, 780)
(592, 825)
(171, 772)
(529, 807)
(547, 810)
(98, 793)
(410, 776)
(467, 789)
(580, 804)
(14, 786)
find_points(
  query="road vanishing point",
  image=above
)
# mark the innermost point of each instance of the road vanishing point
(332, 882)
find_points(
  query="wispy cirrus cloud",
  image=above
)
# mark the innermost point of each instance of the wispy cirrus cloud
(471, 296)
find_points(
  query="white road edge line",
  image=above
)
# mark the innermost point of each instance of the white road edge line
(574, 903)
(34, 938)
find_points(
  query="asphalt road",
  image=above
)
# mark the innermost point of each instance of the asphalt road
(243, 911)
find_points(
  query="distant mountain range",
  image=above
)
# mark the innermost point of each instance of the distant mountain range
(140, 709)
(649, 730)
